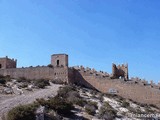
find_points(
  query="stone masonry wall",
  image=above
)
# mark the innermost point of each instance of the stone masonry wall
(37, 73)
(137, 91)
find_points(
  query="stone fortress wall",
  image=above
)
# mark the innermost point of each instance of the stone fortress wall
(57, 70)
(37, 73)
(134, 88)
(117, 82)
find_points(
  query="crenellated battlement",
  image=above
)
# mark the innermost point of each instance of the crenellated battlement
(90, 71)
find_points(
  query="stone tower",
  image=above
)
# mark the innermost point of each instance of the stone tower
(59, 60)
(120, 71)
(7, 63)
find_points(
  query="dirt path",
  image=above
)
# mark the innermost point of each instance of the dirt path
(7, 104)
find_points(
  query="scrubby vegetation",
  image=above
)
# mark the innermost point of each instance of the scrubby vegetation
(41, 83)
(70, 94)
(57, 104)
(57, 81)
(72, 98)
(24, 80)
(107, 112)
(22, 112)
(125, 104)
(91, 107)
(4, 79)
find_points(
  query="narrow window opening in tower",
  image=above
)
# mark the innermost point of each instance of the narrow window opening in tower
(57, 62)
(0, 66)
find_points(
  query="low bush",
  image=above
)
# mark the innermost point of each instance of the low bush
(21, 79)
(107, 112)
(1, 76)
(24, 85)
(142, 104)
(22, 112)
(80, 102)
(42, 101)
(135, 110)
(41, 83)
(100, 97)
(73, 96)
(125, 104)
(149, 110)
(91, 103)
(70, 94)
(58, 104)
(57, 81)
(91, 107)
(131, 109)
(154, 106)
(2, 81)
(5, 78)
(52, 115)
(64, 91)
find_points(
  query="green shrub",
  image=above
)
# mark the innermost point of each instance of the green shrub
(149, 110)
(70, 94)
(131, 109)
(5, 78)
(60, 105)
(42, 101)
(142, 104)
(22, 112)
(80, 102)
(1, 76)
(2, 81)
(100, 96)
(107, 112)
(52, 115)
(90, 109)
(92, 103)
(41, 83)
(21, 79)
(64, 91)
(24, 85)
(154, 106)
(57, 81)
(125, 104)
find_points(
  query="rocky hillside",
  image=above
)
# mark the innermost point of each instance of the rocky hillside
(115, 107)
(78, 103)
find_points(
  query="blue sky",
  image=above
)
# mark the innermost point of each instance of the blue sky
(93, 33)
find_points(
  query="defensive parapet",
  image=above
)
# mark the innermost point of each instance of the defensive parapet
(119, 71)
(90, 71)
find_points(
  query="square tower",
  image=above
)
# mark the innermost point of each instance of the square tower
(7, 63)
(59, 60)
